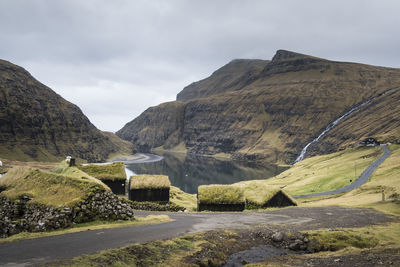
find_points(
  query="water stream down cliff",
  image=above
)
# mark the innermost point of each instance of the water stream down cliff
(335, 122)
(328, 128)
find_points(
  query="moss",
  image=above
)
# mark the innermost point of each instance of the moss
(332, 241)
(149, 181)
(220, 194)
(111, 172)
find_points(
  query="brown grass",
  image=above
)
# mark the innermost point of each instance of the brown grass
(149, 181)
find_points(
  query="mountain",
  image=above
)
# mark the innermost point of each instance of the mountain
(38, 124)
(269, 110)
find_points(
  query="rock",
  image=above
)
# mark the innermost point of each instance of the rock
(297, 245)
(277, 237)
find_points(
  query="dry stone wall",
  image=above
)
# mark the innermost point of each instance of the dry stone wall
(21, 215)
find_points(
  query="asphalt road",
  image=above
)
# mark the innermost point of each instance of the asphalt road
(357, 183)
(47, 249)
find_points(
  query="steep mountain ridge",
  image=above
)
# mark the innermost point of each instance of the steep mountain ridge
(38, 124)
(232, 77)
(270, 111)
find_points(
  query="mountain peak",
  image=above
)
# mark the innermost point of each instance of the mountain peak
(285, 54)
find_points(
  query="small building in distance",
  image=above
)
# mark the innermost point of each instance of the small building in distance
(370, 141)
(220, 198)
(149, 188)
(113, 175)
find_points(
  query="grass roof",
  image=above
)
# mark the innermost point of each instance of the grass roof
(110, 172)
(257, 192)
(220, 194)
(149, 181)
(47, 188)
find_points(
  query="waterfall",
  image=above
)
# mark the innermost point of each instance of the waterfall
(330, 127)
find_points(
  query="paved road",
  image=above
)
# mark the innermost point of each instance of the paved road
(357, 183)
(41, 250)
(139, 158)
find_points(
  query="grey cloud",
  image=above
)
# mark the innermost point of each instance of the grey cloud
(116, 58)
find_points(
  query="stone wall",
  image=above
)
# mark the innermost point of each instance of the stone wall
(22, 215)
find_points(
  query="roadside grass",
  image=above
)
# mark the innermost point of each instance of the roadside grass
(385, 179)
(187, 250)
(212, 248)
(106, 172)
(149, 181)
(95, 225)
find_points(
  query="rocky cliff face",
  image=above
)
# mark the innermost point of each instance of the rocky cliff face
(265, 110)
(38, 124)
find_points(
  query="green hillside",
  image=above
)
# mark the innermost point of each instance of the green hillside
(269, 110)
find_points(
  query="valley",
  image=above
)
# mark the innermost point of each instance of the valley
(292, 124)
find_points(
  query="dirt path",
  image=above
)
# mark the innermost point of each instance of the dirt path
(41, 250)
(357, 183)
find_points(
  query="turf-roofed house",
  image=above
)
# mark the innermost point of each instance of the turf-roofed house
(259, 195)
(149, 188)
(220, 198)
(113, 175)
(33, 200)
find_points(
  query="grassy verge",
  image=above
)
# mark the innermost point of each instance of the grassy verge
(212, 248)
(191, 250)
(96, 225)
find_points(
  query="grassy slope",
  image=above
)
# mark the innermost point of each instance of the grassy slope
(125, 148)
(384, 179)
(324, 173)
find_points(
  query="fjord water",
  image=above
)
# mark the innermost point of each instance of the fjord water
(188, 173)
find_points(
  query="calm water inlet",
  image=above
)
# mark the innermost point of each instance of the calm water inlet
(188, 173)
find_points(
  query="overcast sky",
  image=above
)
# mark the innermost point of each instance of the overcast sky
(114, 59)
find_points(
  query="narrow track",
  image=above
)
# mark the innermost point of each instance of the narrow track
(357, 183)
